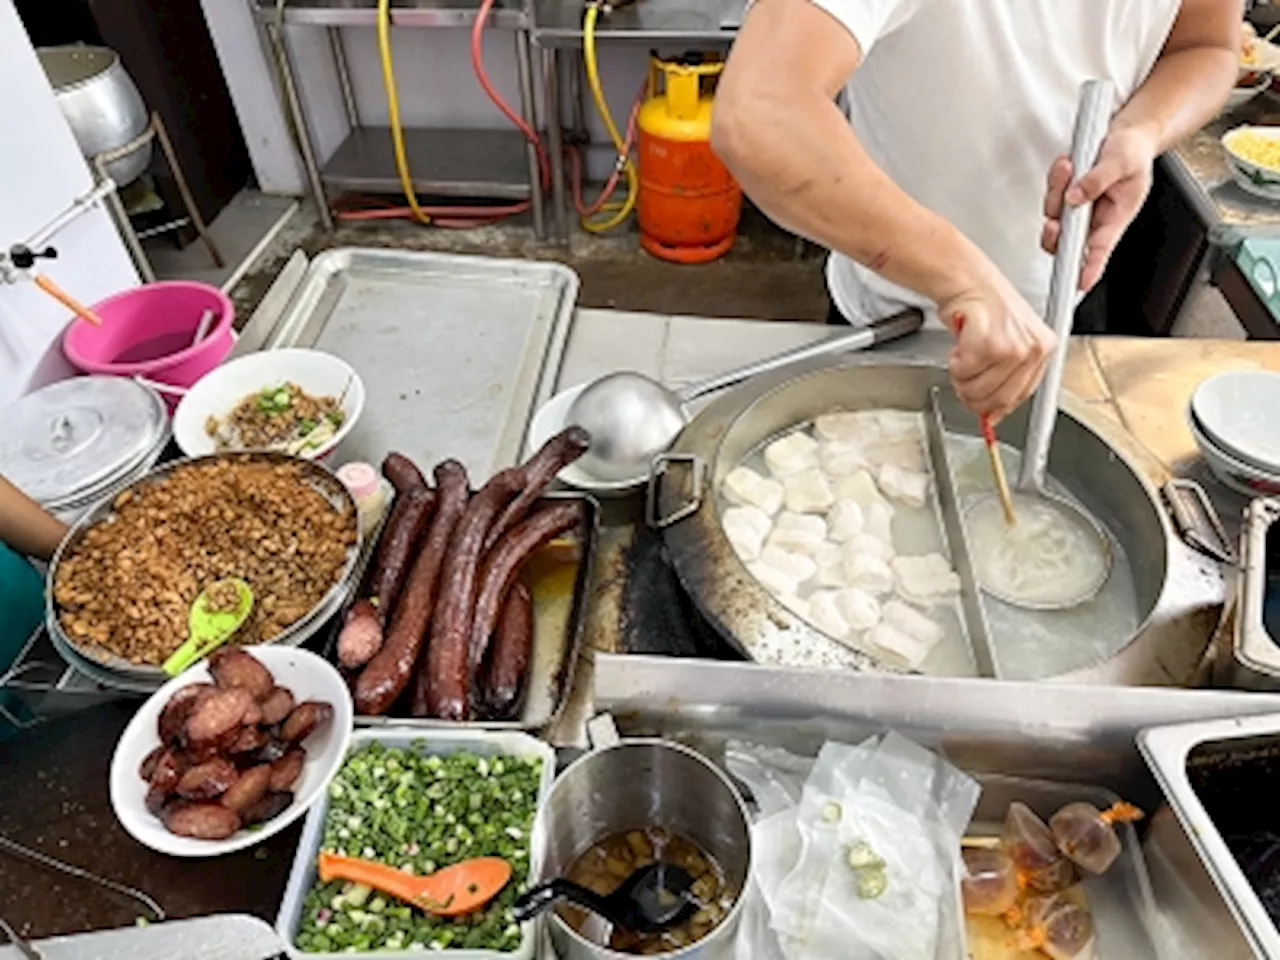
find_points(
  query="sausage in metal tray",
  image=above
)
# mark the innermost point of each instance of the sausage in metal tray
(388, 673)
(510, 652)
(503, 564)
(540, 469)
(449, 672)
(361, 637)
(390, 567)
(402, 473)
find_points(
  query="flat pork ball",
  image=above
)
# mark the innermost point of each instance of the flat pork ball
(744, 487)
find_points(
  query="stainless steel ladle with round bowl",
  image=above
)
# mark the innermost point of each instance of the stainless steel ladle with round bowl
(633, 418)
(1056, 555)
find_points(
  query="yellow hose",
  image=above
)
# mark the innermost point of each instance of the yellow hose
(623, 210)
(393, 110)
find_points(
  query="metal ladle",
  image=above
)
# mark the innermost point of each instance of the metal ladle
(633, 418)
(1096, 100)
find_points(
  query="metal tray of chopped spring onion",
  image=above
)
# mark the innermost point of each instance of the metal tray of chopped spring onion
(457, 794)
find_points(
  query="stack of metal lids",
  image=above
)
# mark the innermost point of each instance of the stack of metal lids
(74, 442)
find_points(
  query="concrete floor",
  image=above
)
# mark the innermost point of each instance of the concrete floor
(768, 275)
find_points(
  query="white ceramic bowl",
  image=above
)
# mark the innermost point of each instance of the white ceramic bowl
(1241, 477)
(1243, 93)
(1237, 411)
(550, 419)
(218, 391)
(310, 677)
(1252, 178)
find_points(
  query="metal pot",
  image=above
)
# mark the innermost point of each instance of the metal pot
(635, 784)
(1178, 593)
(101, 103)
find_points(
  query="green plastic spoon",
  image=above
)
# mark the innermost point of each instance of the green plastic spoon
(210, 629)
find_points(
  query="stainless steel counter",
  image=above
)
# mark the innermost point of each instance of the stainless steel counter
(558, 23)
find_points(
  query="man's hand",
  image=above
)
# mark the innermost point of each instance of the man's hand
(1002, 347)
(1117, 186)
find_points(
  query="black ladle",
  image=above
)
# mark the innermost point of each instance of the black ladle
(653, 898)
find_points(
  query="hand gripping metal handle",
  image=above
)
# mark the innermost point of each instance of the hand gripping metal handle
(1097, 99)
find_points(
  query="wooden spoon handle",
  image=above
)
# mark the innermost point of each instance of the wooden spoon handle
(68, 301)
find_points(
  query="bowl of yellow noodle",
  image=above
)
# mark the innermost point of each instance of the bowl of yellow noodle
(1253, 157)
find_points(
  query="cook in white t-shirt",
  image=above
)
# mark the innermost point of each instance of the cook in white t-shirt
(943, 187)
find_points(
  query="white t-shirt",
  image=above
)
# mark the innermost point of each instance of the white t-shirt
(966, 103)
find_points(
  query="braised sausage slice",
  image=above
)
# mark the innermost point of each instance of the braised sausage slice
(207, 780)
(201, 821)
(218, 715)
(251, 787)
(286, 771)
(277, 705)
(175, 713)
(306, 717)
(234, 667)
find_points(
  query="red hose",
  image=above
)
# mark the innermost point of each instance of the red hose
(462, 217)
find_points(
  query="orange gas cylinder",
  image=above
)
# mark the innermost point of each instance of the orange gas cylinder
(689, 203)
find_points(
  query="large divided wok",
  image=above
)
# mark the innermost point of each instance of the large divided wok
(1178, 592)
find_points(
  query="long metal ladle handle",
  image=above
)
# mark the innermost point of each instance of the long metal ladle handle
(899, 325)
(1097, 98)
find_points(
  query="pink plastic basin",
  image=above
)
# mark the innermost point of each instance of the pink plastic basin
(148, 332)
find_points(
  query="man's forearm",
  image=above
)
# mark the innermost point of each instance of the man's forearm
(26, 526)
(801, 163)
(1183, 93)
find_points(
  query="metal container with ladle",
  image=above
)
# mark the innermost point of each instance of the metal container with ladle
(994, 541)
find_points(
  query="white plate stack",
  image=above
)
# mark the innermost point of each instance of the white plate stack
(1235, 419)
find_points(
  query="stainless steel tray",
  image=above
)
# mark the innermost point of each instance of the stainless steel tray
(1168, 751)
(456, 352)
(557, 645)
(113, 671)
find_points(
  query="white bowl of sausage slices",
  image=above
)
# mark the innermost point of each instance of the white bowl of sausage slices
(231, 751)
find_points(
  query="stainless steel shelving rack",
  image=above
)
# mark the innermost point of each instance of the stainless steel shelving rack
(447, 162)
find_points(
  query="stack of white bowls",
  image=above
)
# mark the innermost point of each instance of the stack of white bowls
(1235, 419)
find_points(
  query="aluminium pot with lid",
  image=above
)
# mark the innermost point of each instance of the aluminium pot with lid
(74, 441)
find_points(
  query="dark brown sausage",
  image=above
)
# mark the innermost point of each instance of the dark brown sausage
(402, 473)
(156, 800)
(175, 713)
(539, 470)
(448, 670)
(509, 654)
(361, 636)
(277, 705)
(249, 789)
(390, 567)
(503, 564)
(270, 752)
(147, 769)
(201, 821)
(169, 769)
(248, 740)
(268, 808)
(218, 715)
(286, 771)
(207, 780)
(233, 667)
(306, 717)
(387, 674)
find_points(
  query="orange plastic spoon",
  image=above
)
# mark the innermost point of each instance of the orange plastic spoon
(462, 888)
